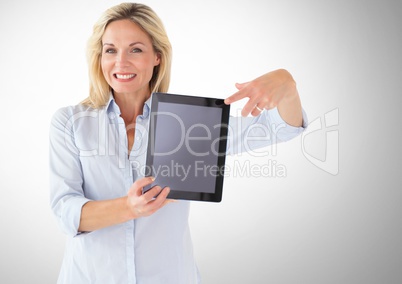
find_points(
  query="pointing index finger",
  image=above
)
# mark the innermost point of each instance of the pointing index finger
(235, 97)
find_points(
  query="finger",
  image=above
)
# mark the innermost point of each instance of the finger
(151, 194)
(159, 201)
(236, 96)
(250, 107)
(257, 110)
(143, 181)
(240, 86)
(137, 186)
(162, 197)
(271, 104)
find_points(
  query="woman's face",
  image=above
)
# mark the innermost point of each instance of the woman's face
(128, 58)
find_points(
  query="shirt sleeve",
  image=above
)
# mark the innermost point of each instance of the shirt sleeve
(66, 179)
(249, 133)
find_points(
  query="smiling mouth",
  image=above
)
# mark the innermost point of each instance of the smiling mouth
(124, 76)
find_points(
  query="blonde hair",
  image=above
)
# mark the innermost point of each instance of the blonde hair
(144, 17)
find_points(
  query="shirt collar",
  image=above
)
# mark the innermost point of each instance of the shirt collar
(111, 106)
(147, 107)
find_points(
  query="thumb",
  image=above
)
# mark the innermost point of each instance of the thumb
(134, 191)
(240, 86)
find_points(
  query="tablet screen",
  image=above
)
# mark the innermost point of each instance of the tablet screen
(187, 145)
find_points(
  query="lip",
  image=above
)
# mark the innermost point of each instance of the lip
(124, 77)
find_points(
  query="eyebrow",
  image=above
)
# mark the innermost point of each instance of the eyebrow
(131, 44)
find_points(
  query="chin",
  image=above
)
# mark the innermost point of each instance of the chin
(124, 90)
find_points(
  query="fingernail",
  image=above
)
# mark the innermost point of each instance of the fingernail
(152, 178)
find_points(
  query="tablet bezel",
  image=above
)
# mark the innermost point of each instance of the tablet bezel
(195, 101)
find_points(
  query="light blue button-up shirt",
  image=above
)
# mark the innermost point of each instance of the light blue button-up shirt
(89, 161)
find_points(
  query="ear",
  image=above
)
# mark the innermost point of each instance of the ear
(157, 59)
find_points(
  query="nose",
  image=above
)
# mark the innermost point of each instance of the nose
(122, 59)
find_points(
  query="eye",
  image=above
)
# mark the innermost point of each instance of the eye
(136, 50)
(110, 50)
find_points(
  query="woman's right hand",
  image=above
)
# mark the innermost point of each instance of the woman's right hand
(99, 214)
(142, 205)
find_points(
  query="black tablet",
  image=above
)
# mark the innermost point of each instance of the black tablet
(187, 146)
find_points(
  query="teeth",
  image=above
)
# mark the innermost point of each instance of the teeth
(124, 77)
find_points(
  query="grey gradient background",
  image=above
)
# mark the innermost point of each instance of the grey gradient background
(308, 227)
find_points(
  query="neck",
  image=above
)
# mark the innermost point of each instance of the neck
(131, 105)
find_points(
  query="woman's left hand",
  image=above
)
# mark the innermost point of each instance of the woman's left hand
(273, 89)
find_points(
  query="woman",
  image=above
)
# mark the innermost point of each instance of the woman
(117, 234)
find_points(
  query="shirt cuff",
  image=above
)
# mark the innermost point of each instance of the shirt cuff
(72, 215)
(283, 130)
